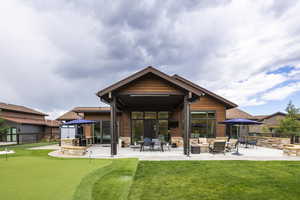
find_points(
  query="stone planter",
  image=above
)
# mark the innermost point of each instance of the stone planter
(73, 150)
(291, 150)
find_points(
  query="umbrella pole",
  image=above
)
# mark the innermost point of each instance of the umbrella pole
(237, 147)
(238, 138)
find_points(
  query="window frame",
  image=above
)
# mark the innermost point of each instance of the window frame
(206, 119)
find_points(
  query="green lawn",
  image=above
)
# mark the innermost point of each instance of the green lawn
(32, 175)
(216, 180)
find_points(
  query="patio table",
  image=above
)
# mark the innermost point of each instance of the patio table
(151, 145)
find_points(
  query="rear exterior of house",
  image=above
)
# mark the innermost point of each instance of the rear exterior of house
(152, 104)
(26, 125)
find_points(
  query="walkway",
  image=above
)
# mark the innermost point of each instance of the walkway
(257, 153)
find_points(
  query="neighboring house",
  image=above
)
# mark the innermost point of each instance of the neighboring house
(270, 123)
(26, 125)
(152, 104)
(235, 113)
(69, 116)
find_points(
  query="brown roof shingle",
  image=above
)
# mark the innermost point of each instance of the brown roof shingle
(70, 116)
(51, 123)
(237, 113)
(18, 108)
(91, 109)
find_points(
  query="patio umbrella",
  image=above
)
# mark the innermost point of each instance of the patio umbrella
(240, 121)
(80, 121)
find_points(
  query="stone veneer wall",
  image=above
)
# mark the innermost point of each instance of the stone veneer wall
(270, 142)
(291, 150)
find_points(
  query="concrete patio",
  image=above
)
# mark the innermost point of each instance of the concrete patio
(256, 153)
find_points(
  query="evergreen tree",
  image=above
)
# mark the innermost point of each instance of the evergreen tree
(290, 125)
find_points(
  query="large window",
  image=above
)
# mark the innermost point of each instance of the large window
(203, 124)
(139, 121)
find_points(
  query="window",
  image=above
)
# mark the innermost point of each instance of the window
(150, 115)
(141, 120)
(137, 130)
(137, 115)
(203, 124)
(163, 115)
(163, 130)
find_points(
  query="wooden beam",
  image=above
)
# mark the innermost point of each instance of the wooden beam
(185, 125)
(113, 130)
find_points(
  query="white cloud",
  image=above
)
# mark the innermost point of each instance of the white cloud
(282, 92)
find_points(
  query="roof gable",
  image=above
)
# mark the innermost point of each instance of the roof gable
(272, 115)
(22, 109)
(228, 103)
(144, 72)
(238, 113)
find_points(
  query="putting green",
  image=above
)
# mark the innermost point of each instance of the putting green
(43, 178)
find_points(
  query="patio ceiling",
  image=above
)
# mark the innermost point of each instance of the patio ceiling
(149, 102)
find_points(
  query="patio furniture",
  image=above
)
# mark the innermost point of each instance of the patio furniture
(147, 143)
(157, 143)
(231, 145)
(135, 146)
(168, 146)
(252, 143)
(218, 147)
(195, 149)
(204, 148)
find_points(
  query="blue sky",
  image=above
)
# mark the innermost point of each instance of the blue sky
(56, 54)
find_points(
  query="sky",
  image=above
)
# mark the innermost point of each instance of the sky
(56, 54)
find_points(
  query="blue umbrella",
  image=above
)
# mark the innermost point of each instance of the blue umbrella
(80, 121)
(240, 121)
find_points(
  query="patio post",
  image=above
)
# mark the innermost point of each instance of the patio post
(186, 124)
(113, 130)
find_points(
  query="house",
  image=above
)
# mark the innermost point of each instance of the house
(153, 104)
(234, 113)
(69, 116)
(270, 123)
(26, 125)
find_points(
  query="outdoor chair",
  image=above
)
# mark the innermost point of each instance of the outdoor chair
(147, 143)
(167, 146)
(217, 147)
(231, 144)
(252, 143)
(156, 143)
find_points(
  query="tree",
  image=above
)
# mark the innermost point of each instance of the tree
(3, 127)
(290, 125)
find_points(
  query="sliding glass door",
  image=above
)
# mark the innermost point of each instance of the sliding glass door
(150, 125)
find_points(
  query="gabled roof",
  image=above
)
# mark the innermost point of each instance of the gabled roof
(263, 117)
(50, 123)
(91, 109)
(143, 72)
(235, 113)
(22, 109)
(176, 80)
(207, 92)
(70, 116)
